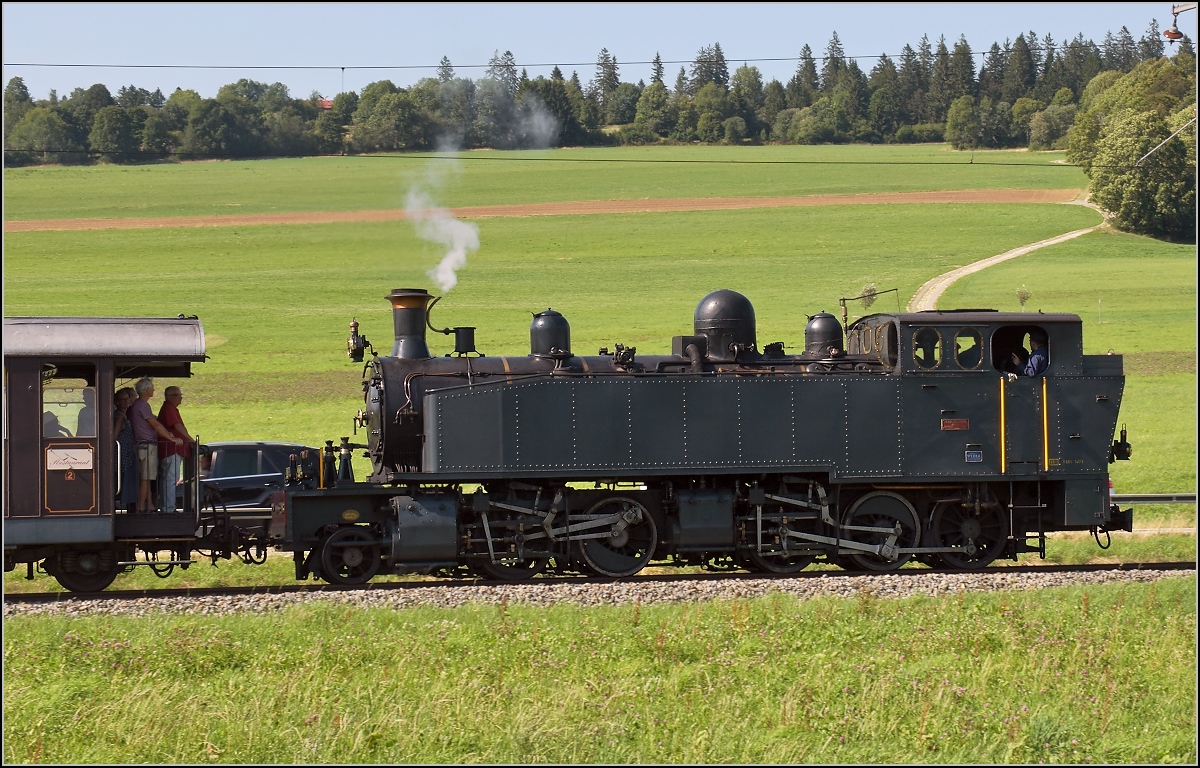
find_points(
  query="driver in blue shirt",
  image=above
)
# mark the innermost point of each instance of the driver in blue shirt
(1038, 357)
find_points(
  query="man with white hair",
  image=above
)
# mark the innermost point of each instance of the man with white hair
(146, 431)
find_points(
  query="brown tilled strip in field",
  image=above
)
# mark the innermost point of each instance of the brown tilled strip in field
(561, 209)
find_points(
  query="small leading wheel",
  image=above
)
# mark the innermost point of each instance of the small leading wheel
(882, 509)
(510, 569)
(980, 533)
(629, 544)
(89, 572)
(350, 555)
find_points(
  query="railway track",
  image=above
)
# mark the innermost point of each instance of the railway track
(536, 583)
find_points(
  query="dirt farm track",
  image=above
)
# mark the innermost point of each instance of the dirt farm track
(563, 209)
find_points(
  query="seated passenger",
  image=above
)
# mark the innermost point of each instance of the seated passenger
(51, 427)
(968, 351)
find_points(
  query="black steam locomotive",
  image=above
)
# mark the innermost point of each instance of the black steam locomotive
(899, 437)
(906, 436)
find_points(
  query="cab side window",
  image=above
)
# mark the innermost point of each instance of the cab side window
(1011, 347)
(968, 349)
(927, 348)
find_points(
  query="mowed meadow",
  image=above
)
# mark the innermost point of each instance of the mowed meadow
(1095, 674)
(276, 300)
(486, 177)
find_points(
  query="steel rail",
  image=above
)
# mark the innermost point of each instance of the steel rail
(549, 581)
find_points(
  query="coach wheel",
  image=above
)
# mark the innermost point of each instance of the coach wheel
(882, 509)
(629, 544)
(980, 535)
(89, 574)
(350, 555)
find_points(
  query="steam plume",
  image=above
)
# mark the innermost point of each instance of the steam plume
(438, 225)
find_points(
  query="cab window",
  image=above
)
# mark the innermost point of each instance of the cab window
(968, 349)
(1010, 347)
(927, 348)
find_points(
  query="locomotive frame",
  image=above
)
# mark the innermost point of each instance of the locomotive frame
(900, 437)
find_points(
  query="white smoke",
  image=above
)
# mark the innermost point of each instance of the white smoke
(537, 127)
(438, 225)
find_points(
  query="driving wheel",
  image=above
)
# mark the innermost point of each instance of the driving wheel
(980, 534)
(629, 543)
(777, 552)
(882, 509)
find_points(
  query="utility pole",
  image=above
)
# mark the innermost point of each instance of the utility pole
(1172, 32)
(1173, 36)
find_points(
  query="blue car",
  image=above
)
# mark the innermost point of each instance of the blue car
(246, 473)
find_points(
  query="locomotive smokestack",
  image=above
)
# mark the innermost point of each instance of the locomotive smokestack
(408, 318)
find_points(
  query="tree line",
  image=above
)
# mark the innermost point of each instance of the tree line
(1029, 92)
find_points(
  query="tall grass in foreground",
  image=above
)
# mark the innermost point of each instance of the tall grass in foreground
(1081, 674)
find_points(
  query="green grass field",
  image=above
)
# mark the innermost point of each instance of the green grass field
(1073, 675)
(1058, 675)
(276, 300)
(495, 178)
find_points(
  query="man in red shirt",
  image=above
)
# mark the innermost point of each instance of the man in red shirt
(169, 454)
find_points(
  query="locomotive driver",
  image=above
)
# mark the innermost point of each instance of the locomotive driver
(1038, 357)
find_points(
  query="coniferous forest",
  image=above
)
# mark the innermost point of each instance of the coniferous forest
(1105, 104)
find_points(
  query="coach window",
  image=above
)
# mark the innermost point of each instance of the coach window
(968, 349)
(927, 348)
(68, 402)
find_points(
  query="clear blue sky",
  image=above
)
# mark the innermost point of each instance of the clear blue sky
(405, 41)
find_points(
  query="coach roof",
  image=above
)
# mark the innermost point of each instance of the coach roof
(148, 338)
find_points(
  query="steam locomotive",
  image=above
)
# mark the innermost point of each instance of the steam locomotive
(899, 436)
(902, 436)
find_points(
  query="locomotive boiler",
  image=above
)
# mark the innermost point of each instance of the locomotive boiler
(902, 436)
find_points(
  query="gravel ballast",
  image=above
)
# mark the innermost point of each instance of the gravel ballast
(647, 592)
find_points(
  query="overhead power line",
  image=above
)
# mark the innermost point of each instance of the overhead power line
(337, 68)
(493, 158)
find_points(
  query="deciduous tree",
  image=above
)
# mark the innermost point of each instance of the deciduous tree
(112, 135)
(43, 135)
(1156, 196)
